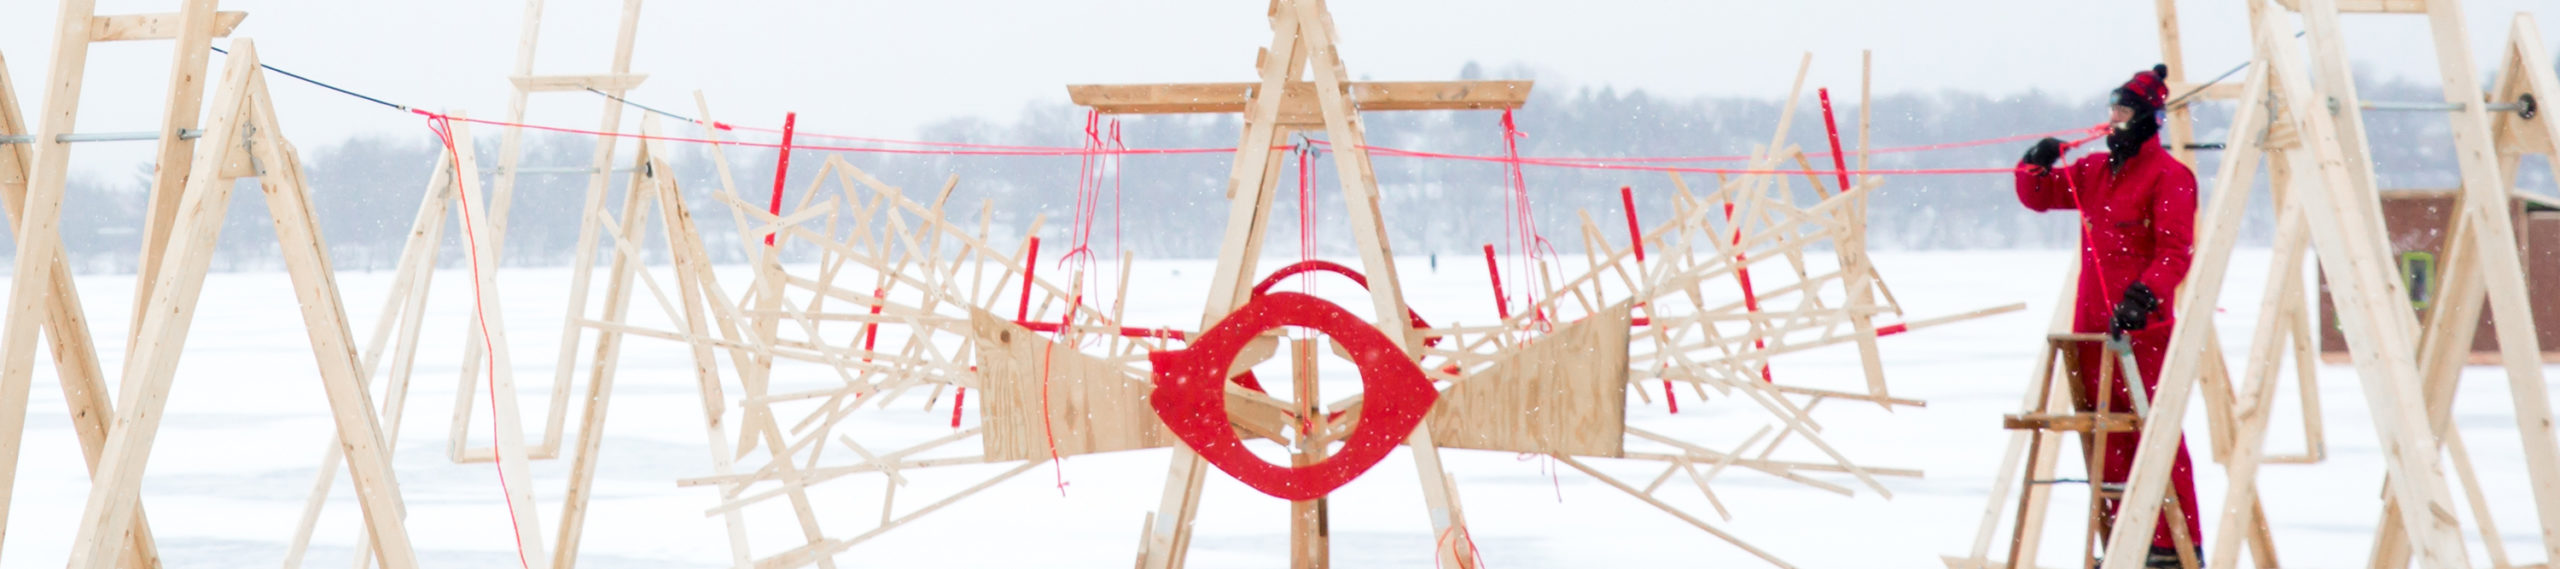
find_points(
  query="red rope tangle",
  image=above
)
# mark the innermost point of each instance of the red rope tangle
(1474, 558)
(1522, 224)
(443, 127)
(1079, 258)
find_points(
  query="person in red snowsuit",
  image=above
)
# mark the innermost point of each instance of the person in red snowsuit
(2137, 209)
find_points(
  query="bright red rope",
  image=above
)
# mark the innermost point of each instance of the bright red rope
(1532, 242)
(443, 127)
(1306, 212)
(1554, 162)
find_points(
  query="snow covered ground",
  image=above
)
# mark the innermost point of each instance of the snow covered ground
(247, 425)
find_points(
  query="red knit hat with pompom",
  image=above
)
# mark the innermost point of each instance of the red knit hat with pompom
(2148, 90)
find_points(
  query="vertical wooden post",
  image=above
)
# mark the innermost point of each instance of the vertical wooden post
(39, 237)
(1310, 533)
(185, 102)
(2181, 127)
(1360, 193)
(1249, 196)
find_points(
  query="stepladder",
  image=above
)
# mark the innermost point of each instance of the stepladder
(2106, 401)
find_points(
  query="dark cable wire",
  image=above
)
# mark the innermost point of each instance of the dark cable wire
(644, 107)
(2217, 79)
(396, 106)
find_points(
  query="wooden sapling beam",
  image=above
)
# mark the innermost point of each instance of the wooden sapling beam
(403, 312)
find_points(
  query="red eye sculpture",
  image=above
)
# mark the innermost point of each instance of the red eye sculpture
(1190, 394)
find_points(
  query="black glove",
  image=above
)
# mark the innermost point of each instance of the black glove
(2135, 311)
(2044, 153)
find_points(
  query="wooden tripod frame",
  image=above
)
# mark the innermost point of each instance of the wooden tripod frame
(243, 139)
(1303, 43)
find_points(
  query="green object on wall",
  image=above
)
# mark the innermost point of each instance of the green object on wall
(2418, 273)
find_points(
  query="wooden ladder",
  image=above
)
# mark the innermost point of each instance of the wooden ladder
(2088, 417)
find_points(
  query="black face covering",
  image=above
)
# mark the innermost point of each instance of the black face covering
(2126, 140)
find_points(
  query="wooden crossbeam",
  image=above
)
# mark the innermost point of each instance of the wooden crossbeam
(2368, 6)
(2076, 422)
(615, 82)
(162, 26)
(243, 122)
(1299, 99)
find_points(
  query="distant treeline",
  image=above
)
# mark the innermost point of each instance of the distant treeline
(367, 189)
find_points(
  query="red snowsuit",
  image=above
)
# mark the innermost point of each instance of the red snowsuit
(2137, 225)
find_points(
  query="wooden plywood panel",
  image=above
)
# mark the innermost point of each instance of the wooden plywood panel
(1563, 393)
(1093, 406)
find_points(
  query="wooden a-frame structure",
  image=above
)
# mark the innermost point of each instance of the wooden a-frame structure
(1302, 44)
(617, 81)
(243, 139)
(2298, 116)
(75, 355)
(405, 308)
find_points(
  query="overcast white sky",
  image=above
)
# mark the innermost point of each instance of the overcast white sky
(885, 68)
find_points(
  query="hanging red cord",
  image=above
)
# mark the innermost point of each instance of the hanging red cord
(1306, 212)
(1449, 538)
(442, 126)
(1088, 196)
(1057, 465)
(1532, 243)
(1078, 260)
